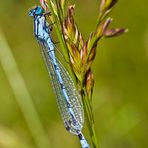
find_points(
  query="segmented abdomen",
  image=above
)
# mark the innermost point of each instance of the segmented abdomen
(72, 93)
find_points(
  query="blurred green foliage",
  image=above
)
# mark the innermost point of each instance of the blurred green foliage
(120, 70)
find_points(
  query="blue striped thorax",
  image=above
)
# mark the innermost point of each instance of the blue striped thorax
(41, 27)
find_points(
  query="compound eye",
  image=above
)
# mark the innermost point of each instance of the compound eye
(39, 10)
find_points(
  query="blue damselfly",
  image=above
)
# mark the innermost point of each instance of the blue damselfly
(68, 98)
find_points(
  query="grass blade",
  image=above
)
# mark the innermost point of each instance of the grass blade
(22, 95)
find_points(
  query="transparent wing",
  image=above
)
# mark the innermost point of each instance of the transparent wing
(72, 93)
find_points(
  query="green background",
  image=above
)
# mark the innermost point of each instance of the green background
(120, 71)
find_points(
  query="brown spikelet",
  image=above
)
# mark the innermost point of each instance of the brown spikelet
(89, 83)
(83, 53)
(106, 7)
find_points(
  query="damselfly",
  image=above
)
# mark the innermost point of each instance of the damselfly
(68, 99)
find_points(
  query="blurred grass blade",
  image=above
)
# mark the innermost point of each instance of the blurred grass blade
(9, 139)
(22, 95)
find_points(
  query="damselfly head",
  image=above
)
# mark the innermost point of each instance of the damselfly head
(36, 11)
